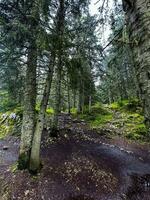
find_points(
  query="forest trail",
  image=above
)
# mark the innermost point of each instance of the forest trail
(80, 165)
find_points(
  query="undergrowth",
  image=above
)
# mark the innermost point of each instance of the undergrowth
(125, 115)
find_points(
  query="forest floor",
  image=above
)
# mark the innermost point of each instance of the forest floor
(80, 164)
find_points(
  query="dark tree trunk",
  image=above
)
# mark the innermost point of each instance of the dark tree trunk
(60, 29)
(138, 21)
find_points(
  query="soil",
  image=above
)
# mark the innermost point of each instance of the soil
(78, 165)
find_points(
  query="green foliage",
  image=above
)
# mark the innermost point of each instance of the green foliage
(6, 104)
(114, 106)
(123, 115)
(3, 131)
(131, 105)
(37, 107)
(23, 161)
(14, 167)
(136, 129)
(74, 111)
(99, 108)
(50, 111)
(9, 125)
(98, 116)
(131, 119)
(19, 111)
(101, 120)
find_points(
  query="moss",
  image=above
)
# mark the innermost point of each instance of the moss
(101, 120)
(5, 130)
(114, 106)
(74, 111)
(137, 131)
(7, 124)
(133, 136)
(50, 111)
(14, 167)
(23, 161)
(99, 109)
(98, 116)
(37, 108)
(19, 111)
(131, 105)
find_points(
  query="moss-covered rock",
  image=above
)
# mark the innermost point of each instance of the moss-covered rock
(10, 123)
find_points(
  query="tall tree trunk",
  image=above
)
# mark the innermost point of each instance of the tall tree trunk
(138, 20)
(81, 98)
(90, 103)
(35, 151)
(28, 122)
(57, 106)
(60, 30)
(68, 91)
(74, 98)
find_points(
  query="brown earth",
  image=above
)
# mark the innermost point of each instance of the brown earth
(78, 165)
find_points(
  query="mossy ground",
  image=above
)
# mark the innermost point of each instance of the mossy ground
(10, 125)
(124, 116)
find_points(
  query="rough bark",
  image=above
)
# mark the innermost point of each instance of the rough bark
(69, 100)
(28, 123)
(81, 98)
(35, 151)
(90, 103)
(74, 98)
(138, 21)
(60, 29)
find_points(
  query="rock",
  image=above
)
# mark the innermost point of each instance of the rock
(5, 147)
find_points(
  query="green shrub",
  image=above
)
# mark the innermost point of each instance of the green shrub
(98, 108)
(137, 132)
(114, 106)
(37, 108)
(133, 105)
(50, 111)
(100, 120)
(74, 110)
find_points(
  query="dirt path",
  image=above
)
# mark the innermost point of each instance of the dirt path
(80, 165)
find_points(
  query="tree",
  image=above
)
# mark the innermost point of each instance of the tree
(35, 162)
(138, 22)
(118, 80)
(60, 20)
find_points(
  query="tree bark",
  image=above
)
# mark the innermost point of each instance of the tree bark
(35, 151)
(90, 103)
(68, 94)
(60, 30)
(28, 122)
(138, 20)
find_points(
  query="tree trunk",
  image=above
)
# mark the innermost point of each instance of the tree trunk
(35, 151)
(68, 91)
(90, 103)
(57, 107)
(28, 122)
(60, 29)
(81, 98)
(74, 98)
(138, 20)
